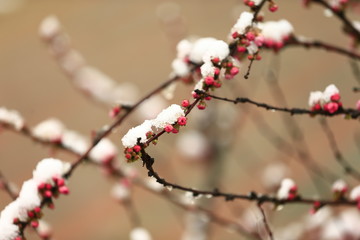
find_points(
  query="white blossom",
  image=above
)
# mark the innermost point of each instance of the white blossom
(140, 233)
(49, 130)
(12, 118)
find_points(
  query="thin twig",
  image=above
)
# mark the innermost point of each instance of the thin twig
(348, 169)
(266, 224)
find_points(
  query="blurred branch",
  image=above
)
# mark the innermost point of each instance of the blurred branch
(348, 169)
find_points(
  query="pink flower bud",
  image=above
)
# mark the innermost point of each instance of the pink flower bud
(31, 214)
(195, 95)
(241, 49)
(182, 121)
(48, 194)
(251, 4)
(335, 97)
(185, 103)
(34, 224)
(250, 36)
(128, 156)
(273, 8)
(41, 186)
(175, 130)
(64, 190)
(201, 106)
(137, 148)
(217, 84)
(229, 76)
(259, 40)
(316, 107)
(235, 35)
(250, 57)
(168, 128)
(16, 220)
(358, 105)
(215, 60)
(115, 111)
(209, 80)
(331, 107)
(37, 209)
(18, 238)
(207, 98)
(217, 71)
(60, 182)
(234, 71)
(258, 57)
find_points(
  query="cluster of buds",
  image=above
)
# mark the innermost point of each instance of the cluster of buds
(33, 217)
(254, 3)
(328, 101)
(134, 153)
(249, 42)
(174, 128)
(48, 190)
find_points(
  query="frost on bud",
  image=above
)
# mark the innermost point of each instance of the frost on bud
(287, 190)
(140, 233)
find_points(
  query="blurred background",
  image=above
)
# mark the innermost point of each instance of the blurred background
(134, 42)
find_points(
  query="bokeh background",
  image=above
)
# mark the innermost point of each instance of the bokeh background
(134, 41)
